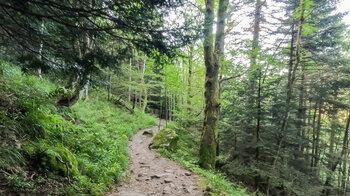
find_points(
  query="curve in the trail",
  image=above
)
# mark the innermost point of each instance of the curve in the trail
(153, 175)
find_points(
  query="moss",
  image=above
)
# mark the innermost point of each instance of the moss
(55, 159)
(59, 159)
(165, 138)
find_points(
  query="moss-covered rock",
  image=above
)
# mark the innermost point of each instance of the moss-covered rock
(166, 138)
(56, 159)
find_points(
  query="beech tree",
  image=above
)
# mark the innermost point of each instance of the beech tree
(213, 57)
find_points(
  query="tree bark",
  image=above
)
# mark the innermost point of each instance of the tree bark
(317, 145)
(301, 113)
(129, 89)
(255, 51)
(213, 59)
(145, 93)
(292, 75)
(189, 80)
(313, 137)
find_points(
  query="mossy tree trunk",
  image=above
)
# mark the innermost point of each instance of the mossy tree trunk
(213, 59)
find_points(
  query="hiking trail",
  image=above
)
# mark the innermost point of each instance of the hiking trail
(153, 175)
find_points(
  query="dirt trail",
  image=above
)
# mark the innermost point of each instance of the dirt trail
(152, 175)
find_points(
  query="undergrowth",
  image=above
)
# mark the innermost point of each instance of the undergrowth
(213, 182)
(62, 151)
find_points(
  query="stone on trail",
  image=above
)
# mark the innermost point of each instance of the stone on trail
(193, 188)
(166, 138)
(148, 133)
(168, 180)
(188, 173)
(142, 174)
(167, 190)
(186, 190)
(155, 176)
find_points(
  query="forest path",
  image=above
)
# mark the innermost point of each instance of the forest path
(153, 175)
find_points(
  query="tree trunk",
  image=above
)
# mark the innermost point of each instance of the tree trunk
(41, 50)
(166, 99)
(301, 113)
(109, 84)
(313, 137)
(317, 145)
(292, 76)
(255, 51)
(327, 185)
(145, 93)
(189, 88)
(252, 99)
(213, 59)
(345, 158)
(129, 90)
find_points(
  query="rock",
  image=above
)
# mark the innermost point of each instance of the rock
(168, 180)
(193, 188)
(142, 174)
(157, 176)
(145, 166)
(188, 173)
(208, 188)
(167, 190)
(165, 138)
(148, 133)
(186, 190)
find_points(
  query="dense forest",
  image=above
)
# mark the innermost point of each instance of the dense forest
(256, 94)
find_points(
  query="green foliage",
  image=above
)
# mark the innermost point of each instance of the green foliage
(187, 156)
(101, 142)
(90, 139)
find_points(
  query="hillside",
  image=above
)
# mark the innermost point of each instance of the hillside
(39, 140)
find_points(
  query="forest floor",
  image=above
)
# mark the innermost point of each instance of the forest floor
(152, 174)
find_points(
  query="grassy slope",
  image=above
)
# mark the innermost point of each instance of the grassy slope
(213, 182)
(94, 131)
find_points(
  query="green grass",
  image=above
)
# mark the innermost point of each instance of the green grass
(102, 149)
(39, 137)
(186, 155)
